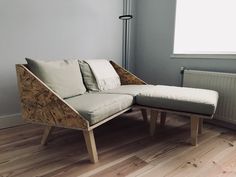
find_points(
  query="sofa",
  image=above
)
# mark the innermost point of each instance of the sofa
(65, 94)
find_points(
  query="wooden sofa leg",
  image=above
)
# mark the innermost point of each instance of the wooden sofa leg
(200, 128)
(47, 132)
(163, 119)
(91, 145)
(194, 130)
(145, 114)
(153, 121)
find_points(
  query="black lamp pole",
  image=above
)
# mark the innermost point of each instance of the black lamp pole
(125, 18)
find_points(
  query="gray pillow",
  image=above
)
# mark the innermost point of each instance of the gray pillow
(62, 76)
(89, 79)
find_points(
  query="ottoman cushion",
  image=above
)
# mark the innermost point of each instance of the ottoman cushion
(192, 100)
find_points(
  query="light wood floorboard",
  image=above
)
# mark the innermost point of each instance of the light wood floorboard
(125, 148)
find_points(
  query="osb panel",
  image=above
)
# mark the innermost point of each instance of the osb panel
(41, 105)
(126, 77)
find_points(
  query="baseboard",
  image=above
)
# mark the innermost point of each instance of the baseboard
(221, 123)
(11, 120)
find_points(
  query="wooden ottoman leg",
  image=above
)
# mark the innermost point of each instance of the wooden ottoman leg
(91, 145)
(200, 128)
(163, 119)
(153, 121)
(47, 132)
(144, 114)
(194, 129)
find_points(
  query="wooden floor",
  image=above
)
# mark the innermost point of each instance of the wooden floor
(125, 149)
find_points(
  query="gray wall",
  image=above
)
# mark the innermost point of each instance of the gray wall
(154, 45)
(54, 29)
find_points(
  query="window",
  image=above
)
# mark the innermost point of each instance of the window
(205, 27)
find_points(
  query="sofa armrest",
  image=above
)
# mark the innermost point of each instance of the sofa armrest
(126, 77)
(42, 105)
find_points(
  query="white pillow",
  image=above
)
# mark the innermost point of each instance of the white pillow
(62, 76)
(104, 73)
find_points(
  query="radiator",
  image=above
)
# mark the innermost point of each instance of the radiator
(223, 83)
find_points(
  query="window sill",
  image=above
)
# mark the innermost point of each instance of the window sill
(204, 56)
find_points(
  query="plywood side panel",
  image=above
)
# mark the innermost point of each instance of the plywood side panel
(126, 77)
(41, 105)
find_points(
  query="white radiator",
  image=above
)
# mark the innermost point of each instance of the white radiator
(224, 83)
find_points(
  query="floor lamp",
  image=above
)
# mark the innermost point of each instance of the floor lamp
(125, 18)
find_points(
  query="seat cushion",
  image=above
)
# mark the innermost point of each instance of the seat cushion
(130, 89)
(199, 101)
(96, 107)
(62, 76)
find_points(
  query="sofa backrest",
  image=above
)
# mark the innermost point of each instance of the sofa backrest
(70, 78)
(105, 75)
(62, 76)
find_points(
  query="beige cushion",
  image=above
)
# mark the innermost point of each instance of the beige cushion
(106, 76)
(130, 89)
(199, 101)
(64, 76)
(96, 107)
(88, 77)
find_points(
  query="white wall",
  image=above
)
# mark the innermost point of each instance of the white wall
(54, 29)
(155, 22)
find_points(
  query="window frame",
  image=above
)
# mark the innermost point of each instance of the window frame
(196, 55)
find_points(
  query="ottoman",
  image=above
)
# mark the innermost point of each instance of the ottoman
(199, 104)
